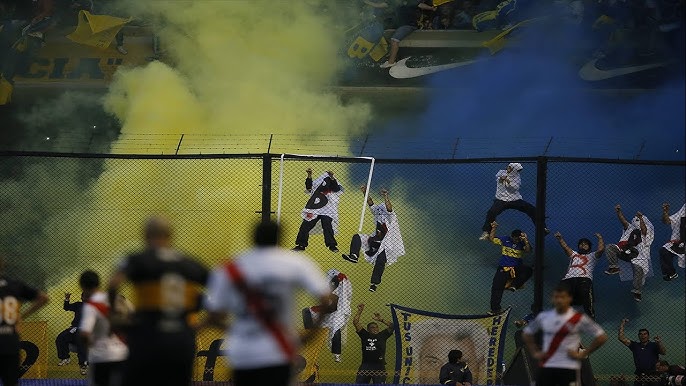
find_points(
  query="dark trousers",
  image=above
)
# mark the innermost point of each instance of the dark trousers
(106, 373)
(119, 38)
(667, 261)
(9, 368)
(381, 259)
(68, 337)
(582, 293)
(500, 206)
(550, 376)
(159, 359)
(371, 372)
(306, 227)
(522, 274)
(337, 343)
(273, 376)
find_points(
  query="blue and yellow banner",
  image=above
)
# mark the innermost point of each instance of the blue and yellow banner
(423, 340)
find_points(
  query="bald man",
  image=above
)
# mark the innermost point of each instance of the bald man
(167, 285)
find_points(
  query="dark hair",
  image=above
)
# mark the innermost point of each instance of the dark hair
(587, 241)
(89, 280)
(563, 287)
(369, 325)
(454, 356)
(644, 329)
(516, 233)
(267, 233)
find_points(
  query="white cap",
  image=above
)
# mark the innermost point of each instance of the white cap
(515, 166)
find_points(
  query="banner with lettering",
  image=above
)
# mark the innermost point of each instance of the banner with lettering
(423, 340)
(33, 349)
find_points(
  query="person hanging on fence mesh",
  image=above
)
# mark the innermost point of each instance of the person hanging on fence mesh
(259, 288)
(322, 207)
(507, 196)
(106, 351)
(560, 355)
(167, 284)
(336, 321)
(632, 251)
(675, 246)
(385, 245)
(579, 276)
(511, 273)
(373, 344)
(12, 293)
(68, 339)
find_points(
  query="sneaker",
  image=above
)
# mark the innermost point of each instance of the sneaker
(337, 357)
(63, 362)
(387, 65)
(511, 289)
(637, 296)
(122, 50)
(484, 236)
(84, 369)
(547, 231)
(372, 288)
(494, 312)
(351, 257)
(612, 271)
(333, 249)
(298, 248)
(670, 277)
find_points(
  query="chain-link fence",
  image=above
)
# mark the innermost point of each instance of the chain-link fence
(63, 214)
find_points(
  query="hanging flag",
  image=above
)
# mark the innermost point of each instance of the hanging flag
(423, 340)
(97, 30)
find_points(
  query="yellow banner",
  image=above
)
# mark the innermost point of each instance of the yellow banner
(307, 365)
(97, 30)
(423, 340)
(34, 349)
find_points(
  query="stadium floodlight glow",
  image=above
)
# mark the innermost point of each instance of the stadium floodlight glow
(366, 193)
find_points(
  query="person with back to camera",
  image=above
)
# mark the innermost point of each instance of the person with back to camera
(455, 372)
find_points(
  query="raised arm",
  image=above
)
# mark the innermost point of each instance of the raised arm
(356, 318)
(527, 244)
(660, 346)
(563, 244)
(601, 245)
(665, 213)
(308, 180)
(336, 187)
(642, 224)
(36, 304)
(378, 318)
(363, 188)
(620, 216)
(491, 235)
(386, 200)
(621, 336)
(426, 7)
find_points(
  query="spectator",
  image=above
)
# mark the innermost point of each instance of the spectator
(168, 283)
(12, 292)
(507, 196)
(408, 22)
(645, 353)
(335, 321)
(511, 273)
(675, 246)
(455, 372)
(373, 344)
(579, 276)
(560, 355)
(385, 246)
(633, 248)
(106, 351)
(258, 287)
(70, 336)
(322, 206)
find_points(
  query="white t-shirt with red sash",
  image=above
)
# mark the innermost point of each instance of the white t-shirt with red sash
(561, 333)
(106, 347)
(272, 277)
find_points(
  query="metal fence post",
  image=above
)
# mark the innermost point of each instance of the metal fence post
(541, 184)
(266, 187)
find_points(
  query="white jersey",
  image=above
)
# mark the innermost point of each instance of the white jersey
(675, 223)
(581, 265)
(105, 347)
(643, 259)
(336, 321)
(550, 322)
(508, 190)
(276, 274)
(392, 243)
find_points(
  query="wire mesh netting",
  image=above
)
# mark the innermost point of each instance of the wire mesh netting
(432, 289)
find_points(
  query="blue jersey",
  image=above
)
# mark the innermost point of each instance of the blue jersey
(512, 252)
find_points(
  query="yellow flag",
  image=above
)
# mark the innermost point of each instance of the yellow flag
(97, 30)
(307, 364)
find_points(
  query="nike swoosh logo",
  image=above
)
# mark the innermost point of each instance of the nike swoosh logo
(590, 72)
(401, 71)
